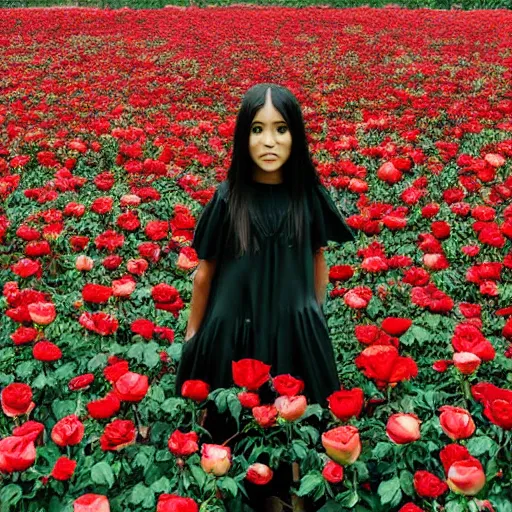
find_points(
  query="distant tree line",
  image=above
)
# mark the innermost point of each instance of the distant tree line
(157, 4)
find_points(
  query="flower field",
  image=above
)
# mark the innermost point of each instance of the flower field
(116, 128)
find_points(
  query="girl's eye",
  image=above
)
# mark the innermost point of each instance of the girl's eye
(281, 129)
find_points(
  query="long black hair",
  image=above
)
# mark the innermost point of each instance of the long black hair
(299, 173)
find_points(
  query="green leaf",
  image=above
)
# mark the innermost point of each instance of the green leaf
(101, 474)
(390, 492)
(140, 493)
(406, 482)
(479, 445)
(228, 484)
(98, 361)
(235, 407)
(349, 499)
(381, 450)
(313, 410)
(63, 408)
(330, 506)
(198, 474)
(310, 482)
(9, 496)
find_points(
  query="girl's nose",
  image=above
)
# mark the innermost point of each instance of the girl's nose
(268, 139)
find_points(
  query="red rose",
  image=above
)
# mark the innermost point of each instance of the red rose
(96, 293)
(150, 251)
(456, 422)
(128, 221)
(99, 322)
(16, 453)
(81, 382)
(385, 365)
(287, 385)
(466, 362)
(497, 403)
(182, 444)
(403, 428)
(265, 415)
(428, 485)
(68, 431)
(291, 408)
(117, 435)
(23, 335)
(109, 240)
(250, 373)
(346, 403)
(396, 326)
(42, 313)
(196, 390)
(131, 387)
(259, 474)
(466, 477)
(26, 268)
(164, 293)
(63, 469)
(411, 507)
(102, 205)
(452, 453)
(46, 351)
(30, 429)
(104, 407)
(112, 262)
(333, 472)
(143, 327)
(91, 503)
(248, 399)
(16, 399)
(468, 338)
(175, 503)
(113, 371)
(157, 229)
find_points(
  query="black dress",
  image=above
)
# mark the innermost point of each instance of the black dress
(263, 304)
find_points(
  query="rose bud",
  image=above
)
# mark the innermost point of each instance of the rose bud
(342, 444)
(291, 408)
(196, 390)
(16, 453)
(91, 503)
(265, 415)
(68, 431)
(403, 428)
(249, 399)
(466, 362)
(81, 382)
(466, 477)
(456, 422)
(16, 399)
(259, 474)
(215, 459)
(182, 444)
(63, 469)
(84, 263)
(333, 472)
(175, 503)
(42, 313)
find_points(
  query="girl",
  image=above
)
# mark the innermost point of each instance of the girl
(262, 277)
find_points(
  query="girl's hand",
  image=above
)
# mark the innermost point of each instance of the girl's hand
(188, 335)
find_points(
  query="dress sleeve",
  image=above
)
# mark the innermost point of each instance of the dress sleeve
(327, 222)
(208, 240)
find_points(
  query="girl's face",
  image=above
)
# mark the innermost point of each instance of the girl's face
(270, 143)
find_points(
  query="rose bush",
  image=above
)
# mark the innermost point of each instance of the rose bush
(116, 127)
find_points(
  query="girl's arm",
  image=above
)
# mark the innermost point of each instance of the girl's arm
(203, 276)
(321, 275)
